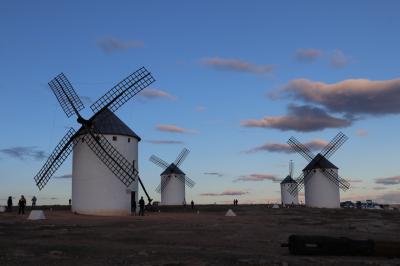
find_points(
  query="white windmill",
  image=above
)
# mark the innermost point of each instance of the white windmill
(173, 180)
(320, 177)
(105, 158)
(287, 183)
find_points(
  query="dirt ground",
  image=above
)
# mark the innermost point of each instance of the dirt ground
(183, 237)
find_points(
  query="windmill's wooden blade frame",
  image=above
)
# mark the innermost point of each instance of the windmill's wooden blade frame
(66, 95)
(111, 157)
(56, 159)
(123, 91)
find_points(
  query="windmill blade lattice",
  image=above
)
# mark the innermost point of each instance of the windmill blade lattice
(181, 157)
(66, 95)
(124, 90)
(71, 104)
(291, 169)
(299, 185)
(336, 179)
(334, 145)
(187, 181)
(55, 160)
(302, 149)
(158, 161)
(115, 161)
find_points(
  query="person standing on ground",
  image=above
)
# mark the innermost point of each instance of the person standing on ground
(133, 207)
(192, 204)
(33, 202)
(9, 204)
(141, 207)
(21, 205)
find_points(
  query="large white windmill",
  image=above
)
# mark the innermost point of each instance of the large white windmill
(173, 180)
(287, 183)
(320, 177)
(105, 150)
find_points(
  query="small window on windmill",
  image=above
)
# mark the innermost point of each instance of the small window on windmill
(129, 139)
(114, 138)
(97, 138)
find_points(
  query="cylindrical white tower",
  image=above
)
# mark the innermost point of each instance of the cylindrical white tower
(174, 191)
(95, 189)
(288, 198)
(320, 191)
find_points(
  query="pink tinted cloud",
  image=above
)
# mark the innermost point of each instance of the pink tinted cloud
(351, 96)
(164, 141)
(307, 55)
(299, 118)
(155, 93)
(228, 192)
(394, 180)
(339, 59)
(361, 133)
(237, 65)
(112, 44)
(314, 145)
(173, 129)
(200, 109)
(257, 177)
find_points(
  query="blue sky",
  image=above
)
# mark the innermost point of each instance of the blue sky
(231, 76)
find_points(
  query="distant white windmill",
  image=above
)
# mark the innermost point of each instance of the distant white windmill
(173, 180)
(286, 184)
(320, 177)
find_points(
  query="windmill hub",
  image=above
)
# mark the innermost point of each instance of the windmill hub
(84, 122)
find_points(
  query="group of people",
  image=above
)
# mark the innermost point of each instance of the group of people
(191, 204)
(235, 202)
(141, 207)
(21, 204)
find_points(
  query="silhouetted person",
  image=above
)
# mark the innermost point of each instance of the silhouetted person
(21, 205)
(133, 207)
(141, 207)
(184, 203)
(192, 204)
(33, 202)
(9, 204)
(237, 201)
(69, 202)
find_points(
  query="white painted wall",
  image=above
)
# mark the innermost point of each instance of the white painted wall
(174, 191)
(95, 189)
(320, 191)
(286, 196)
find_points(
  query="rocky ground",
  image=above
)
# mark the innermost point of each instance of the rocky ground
(184, 237)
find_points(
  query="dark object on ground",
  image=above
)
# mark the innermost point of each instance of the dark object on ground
(340, 246)
(325, 245)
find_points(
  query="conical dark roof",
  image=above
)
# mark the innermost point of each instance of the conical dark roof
(320, 162)
(288, 180)
(107, 123)
(172, 169)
